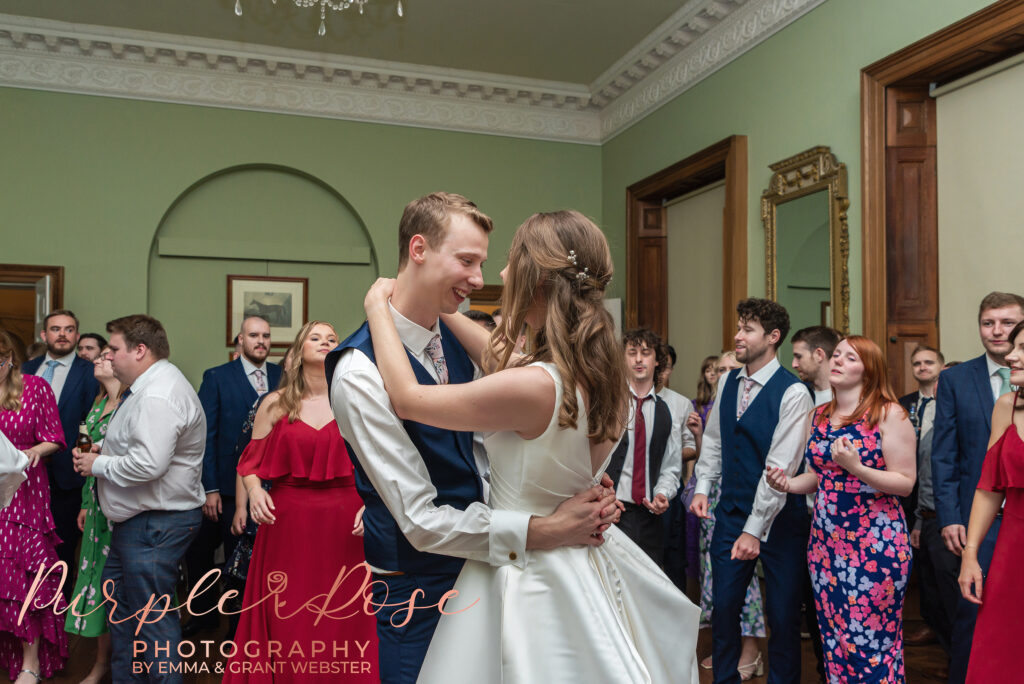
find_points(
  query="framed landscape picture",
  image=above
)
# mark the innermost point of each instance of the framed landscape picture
(283, 302)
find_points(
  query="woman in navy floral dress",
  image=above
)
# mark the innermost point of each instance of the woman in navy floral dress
(862, 450)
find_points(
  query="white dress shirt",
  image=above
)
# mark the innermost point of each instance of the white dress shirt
(993, 376)
(12, 469)
(250, 368)
(152, 458)
(680, 407)
(396, 469)
(60, 372)
(671, 463)
(786, 451)
(822, 397)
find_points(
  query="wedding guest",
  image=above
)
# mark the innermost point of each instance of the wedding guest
(90, 345)
(36, 646)
(861, 447)
(227, 393)
(706, 387)
(752, 625)
(646, 466)
(481, 318)
(743, 435)
(963, 415)
(91, 617)
(296, 444)
(681, 555)
(148, 480)
(1000, 493)
(937, 567)
(812, 350)
(72, 382)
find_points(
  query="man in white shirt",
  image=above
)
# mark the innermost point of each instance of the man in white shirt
(964, 401)
(812, 351)
(148, 478)
(421, 487)
(758, 420)
(646, 465)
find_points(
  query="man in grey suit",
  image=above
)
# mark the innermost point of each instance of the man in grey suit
(963, 420)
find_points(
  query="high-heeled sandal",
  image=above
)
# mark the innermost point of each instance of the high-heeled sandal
(751, 670)
(707, 663)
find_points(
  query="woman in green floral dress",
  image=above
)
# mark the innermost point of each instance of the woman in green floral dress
(91, 618)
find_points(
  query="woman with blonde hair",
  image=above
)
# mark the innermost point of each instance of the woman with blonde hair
(305, 540)
(34, 646)
(590, 613)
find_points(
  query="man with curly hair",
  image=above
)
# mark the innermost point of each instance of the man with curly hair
(758, 420)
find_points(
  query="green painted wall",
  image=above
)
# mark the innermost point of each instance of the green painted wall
(799, 88)
(87, 180)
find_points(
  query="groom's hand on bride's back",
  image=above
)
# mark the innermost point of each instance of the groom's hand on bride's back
(579, 520)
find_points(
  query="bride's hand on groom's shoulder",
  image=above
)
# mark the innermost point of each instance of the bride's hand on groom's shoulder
(379, 294)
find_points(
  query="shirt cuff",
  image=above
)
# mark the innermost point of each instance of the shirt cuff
(212, 491)
(755, 527)
(99, 466)
(702, 487)
(507, 538)
(669, 493)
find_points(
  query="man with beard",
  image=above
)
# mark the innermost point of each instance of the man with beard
(73, 384)
(758, 420)
(90, 345)
(227, 393)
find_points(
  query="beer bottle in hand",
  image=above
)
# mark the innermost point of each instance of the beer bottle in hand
(84, 442)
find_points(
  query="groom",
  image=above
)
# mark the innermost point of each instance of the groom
(425, 508)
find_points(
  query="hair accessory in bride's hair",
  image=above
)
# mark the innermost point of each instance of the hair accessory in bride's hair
(572, 257)
(583, 275)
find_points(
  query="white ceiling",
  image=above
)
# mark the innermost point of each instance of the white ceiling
(571, 70)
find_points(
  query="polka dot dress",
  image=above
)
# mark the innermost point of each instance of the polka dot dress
(28, 540)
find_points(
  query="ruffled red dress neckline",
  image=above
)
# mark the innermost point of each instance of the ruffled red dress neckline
(298, 450)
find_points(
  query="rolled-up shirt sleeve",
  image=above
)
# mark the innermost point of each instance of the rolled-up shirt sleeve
(671, 467)
(399, 475)
(150, 442)
(786, 452)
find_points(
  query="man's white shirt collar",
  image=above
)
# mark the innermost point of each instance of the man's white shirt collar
(651, 393)
(414, 336)
(65, 360)
(762, 376)
(249, 366)
(993, 367)
(151, 372)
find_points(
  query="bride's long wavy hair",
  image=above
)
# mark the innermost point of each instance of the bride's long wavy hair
(562, 259)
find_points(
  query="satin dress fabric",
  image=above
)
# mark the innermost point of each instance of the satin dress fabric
(573, 614)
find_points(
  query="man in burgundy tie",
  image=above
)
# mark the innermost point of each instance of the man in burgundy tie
(647, 463)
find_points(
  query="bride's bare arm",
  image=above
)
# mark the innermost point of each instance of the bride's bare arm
(473, 337)
(518, 399)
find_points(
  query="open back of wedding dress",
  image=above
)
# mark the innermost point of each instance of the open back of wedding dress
(574, 614)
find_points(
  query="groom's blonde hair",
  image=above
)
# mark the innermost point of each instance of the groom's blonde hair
(429, 216)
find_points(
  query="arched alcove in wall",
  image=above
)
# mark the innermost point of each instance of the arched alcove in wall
(254, 220)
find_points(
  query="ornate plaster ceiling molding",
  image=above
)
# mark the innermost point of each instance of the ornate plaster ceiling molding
(700, 38)
(673, 59)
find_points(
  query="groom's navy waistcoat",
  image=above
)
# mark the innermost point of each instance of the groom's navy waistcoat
(746, 441)
(447, 455)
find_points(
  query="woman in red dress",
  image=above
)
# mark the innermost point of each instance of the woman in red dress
(994, 650)
(304, 615)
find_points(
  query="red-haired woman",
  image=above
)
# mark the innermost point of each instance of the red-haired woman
(862, 449)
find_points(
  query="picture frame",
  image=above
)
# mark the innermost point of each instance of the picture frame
(282, 301)
(826, 314)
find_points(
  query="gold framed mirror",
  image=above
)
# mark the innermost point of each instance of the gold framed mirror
(807, 239)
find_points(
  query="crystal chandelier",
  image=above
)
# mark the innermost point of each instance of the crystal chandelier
(336, 5)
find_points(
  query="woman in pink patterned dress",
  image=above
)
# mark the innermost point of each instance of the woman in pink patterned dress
(38, 646)
(862, 449)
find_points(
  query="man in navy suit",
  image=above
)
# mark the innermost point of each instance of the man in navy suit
(227, 393)
(963, 420)
(75, 388)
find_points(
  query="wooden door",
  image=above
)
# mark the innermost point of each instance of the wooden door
(911, 235)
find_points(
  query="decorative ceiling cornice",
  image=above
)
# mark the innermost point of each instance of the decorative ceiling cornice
(700, 38)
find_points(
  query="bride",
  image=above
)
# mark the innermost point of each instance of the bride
(596, 613)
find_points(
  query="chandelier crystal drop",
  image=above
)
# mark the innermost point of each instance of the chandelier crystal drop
(336, 5)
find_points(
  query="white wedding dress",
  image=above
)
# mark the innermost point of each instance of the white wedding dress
(574, 614)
